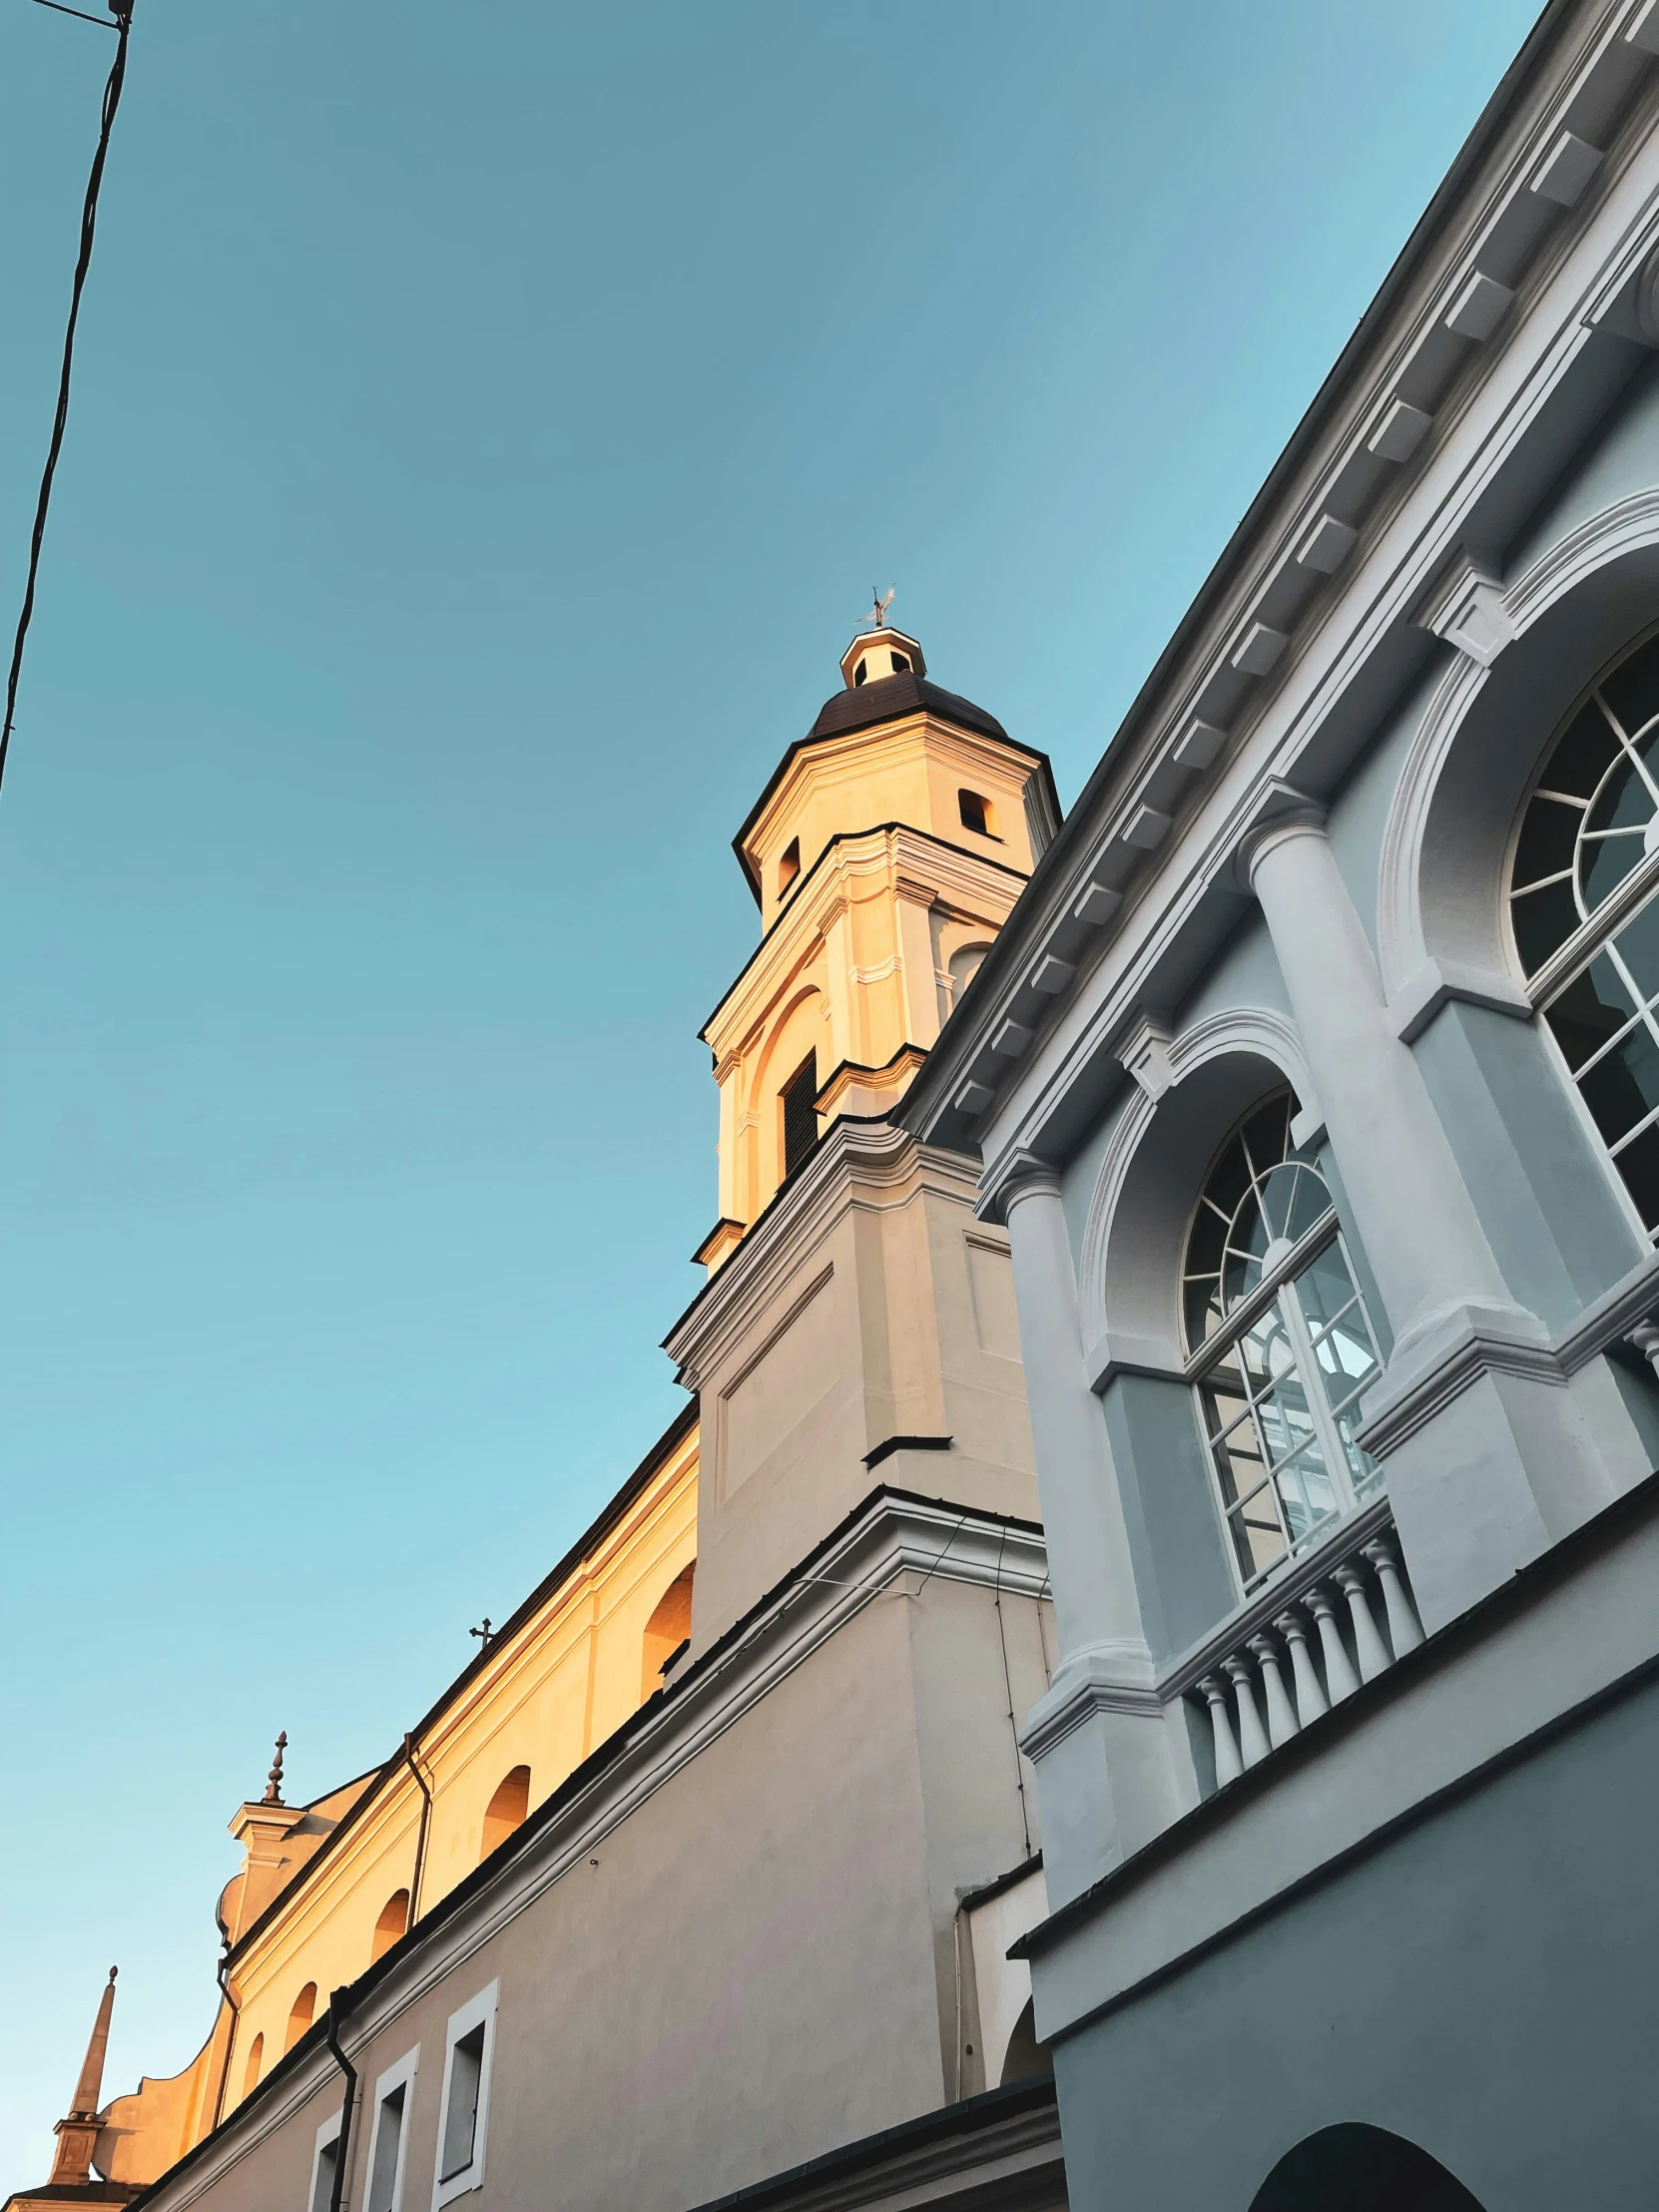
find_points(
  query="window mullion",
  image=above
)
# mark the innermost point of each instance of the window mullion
(1319, 1406)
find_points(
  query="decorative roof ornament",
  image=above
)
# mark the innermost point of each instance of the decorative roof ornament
(77, 2132)
(879, 606)
(274, 1780)
(485, 1635)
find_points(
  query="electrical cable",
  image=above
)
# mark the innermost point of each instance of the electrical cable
(121, 10)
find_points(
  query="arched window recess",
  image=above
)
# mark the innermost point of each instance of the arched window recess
(1584, 912)
(1280, 1345)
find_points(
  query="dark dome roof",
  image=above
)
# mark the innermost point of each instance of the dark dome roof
(889, 697)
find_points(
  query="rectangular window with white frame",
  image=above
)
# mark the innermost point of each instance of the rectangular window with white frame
(388, 2140)
(464, 2109)
(324, 2165)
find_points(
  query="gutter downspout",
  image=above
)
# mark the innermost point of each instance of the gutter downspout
(223, 1974)
(426, 1823)
(343, 2153)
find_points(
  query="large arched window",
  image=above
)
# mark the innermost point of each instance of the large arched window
(1582, 877)
(1279, 1342)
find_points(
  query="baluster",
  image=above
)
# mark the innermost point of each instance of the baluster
(1229, 1766)
(1309, 1698)
(1253, 1743)
(1404, 1629)
(1340, 1678)
(1282, 1720)
(1368, 1646)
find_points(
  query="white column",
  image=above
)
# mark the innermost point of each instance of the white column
(1413, 1214)
(1112, 1771)
(1488, 1455)
(1096, 1605)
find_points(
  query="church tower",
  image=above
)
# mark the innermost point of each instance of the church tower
(858, 1323)
(884, 855)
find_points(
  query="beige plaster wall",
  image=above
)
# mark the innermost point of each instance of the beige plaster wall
(757, 1971)
(870, 1331)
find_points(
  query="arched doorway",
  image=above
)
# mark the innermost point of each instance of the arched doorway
(1354, 2169)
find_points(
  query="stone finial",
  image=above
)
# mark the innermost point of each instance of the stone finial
(274, 1780)
(77, 2132)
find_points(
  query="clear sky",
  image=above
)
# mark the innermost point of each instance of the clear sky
(489, 424)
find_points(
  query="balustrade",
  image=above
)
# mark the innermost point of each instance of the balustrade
(1345, 1617)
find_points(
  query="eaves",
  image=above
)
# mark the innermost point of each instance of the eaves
(1578, 67)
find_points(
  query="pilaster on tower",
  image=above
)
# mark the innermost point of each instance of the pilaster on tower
(884, 854)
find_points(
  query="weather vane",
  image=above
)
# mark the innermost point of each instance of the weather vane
(880, 606)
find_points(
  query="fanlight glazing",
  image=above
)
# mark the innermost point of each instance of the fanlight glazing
(1270, 1301)
(1583, 880)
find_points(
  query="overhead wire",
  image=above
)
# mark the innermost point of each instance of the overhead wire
(123, 14)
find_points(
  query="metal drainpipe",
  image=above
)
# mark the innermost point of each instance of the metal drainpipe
(223, 1971)
(426, 1822)
(343, 2153)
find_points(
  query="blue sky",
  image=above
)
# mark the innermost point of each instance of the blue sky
(489, 424)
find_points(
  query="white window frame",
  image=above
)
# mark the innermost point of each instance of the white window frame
(328, 2132)
(480, 2011)
(401, 2076)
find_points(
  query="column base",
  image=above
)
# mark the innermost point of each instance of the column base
(1113, 1766)
(1488, 1455)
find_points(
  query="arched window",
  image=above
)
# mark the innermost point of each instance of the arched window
(393, 1923)
(256, 2059)
(1280, 1343)
(789, 865)
(965, 967)
(667, 1630)
(1582, 881)
(507, 1809)
(304, 2004)
(797, 1112)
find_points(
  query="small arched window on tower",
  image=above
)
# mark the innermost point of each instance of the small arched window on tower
(900, 662)
(507, 1809)
(392, 1923)
(788, 867)
(256, 2059)
(667, 1631)
(860, 672)
(965, 963)
(304, 2004)
(798, 1104)
(976, 814)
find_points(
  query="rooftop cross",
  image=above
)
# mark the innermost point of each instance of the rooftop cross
(485, 1635)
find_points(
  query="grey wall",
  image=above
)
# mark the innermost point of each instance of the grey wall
(1483, 1987)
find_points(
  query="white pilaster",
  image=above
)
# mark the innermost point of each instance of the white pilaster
(1105, 1757)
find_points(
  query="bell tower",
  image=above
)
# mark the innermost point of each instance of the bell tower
(858, 1328)
(884, 854)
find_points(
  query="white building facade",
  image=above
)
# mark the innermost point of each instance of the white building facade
(1315, 1079)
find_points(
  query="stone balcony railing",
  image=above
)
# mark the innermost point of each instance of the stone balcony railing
(1338, 1617)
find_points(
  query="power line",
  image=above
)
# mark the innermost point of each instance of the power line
(121, 10)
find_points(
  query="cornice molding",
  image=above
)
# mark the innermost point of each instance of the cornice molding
(910, 862)
(1203, 708)
(856, 1163)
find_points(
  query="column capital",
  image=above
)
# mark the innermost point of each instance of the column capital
(1017, 1174)
(1280, 813)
